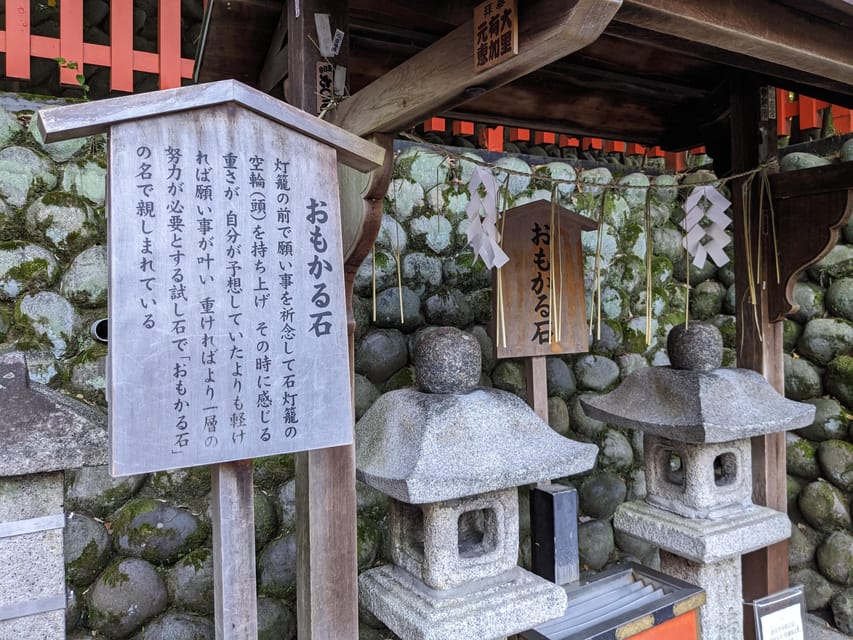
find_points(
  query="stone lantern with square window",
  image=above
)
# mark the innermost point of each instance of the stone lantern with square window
(697, 420)
(451, 456)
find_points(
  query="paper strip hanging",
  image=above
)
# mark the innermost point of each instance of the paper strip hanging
(705, 202)
(482, 231)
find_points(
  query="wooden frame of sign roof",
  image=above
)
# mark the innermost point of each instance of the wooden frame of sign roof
(673, 73)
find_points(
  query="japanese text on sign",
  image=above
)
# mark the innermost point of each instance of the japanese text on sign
(540, 283)
(231, 309)
(495, 33)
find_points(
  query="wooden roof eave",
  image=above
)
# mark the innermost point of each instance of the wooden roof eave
(443, 75)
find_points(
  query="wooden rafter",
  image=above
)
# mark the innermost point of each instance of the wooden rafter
(760, 30)
(443, 76)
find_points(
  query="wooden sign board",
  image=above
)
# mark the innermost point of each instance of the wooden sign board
(325, 85)
(495, 33)
(227, 322)
(539, 306)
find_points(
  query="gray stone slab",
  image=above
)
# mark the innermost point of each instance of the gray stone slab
(701, 540)
(33, 563)
(493, 608)
(421, 447)
(699, 406)
(714, 479)
(448, 544)
(721, 617)
(42, 429)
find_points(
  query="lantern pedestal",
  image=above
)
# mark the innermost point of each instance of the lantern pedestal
(708, 553)
(481, 609)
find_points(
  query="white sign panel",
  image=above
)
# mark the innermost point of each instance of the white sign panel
(779, 616)
(228, 332)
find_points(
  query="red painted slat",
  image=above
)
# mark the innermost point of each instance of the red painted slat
(634, 149)
(593, 143)
(169, 43)
(435, 124)
(568, 141)
(492, 138)
(614, 146)
(517, 134)
(809, 116)
(698, 151)
(675, 161)
(842, 120)
(463, 128)
(18, 38)
(121, 45)
(71, 42)
(544, 137)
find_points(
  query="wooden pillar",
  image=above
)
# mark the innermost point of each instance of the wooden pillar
(759, 341)
(326, 582)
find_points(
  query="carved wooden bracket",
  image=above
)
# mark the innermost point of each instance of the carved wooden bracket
(811, 205)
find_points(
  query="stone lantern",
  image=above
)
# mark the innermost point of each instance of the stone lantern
(451, 456)
(697, 420)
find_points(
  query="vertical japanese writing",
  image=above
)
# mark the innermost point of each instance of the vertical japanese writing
(287, 329)
(229, 322)
(237, 420)
(262, 377)
(325, 85)
(540, 283)
(145, 214)
(495, 32)
(177, 309)
(204, 308)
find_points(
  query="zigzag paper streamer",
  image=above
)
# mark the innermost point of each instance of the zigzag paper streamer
(483, 232)
(703, 242)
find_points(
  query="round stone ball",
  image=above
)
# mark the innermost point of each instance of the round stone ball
(696, 346)
(447, 360)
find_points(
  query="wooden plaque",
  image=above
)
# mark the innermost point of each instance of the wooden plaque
(495, 33)
(228, 332)
(538, 296)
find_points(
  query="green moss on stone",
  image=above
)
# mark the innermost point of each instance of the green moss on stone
(271, 472)
(33, 273)
(196, 559)
(843, 367)
(113, 575)
(63, 199)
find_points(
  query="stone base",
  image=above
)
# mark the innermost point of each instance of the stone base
(721, 618)
(32, 578)
(493, 608)
(702, 540)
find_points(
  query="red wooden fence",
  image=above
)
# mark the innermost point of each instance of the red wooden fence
(20, 45)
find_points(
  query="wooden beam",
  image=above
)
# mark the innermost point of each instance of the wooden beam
(759, 341)
(443, 76)
(231, 32)
(760, 29)
(326, 556)
(275, 66)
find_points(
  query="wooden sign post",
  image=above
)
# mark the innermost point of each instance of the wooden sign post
(539, 310)
(228, 330)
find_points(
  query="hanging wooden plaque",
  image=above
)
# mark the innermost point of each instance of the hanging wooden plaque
(495, 33)
(538, 296)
